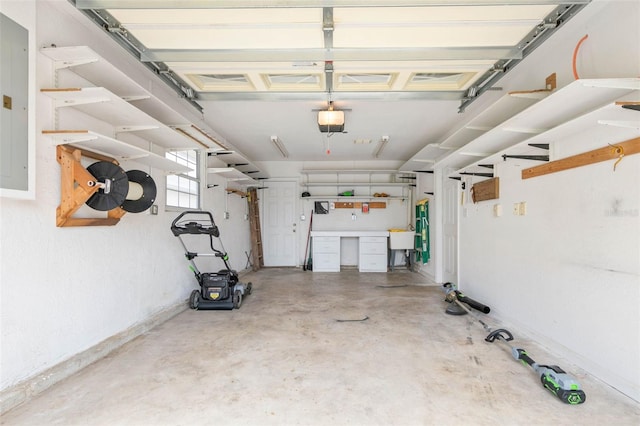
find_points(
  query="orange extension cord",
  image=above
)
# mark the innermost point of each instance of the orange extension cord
(575, 56)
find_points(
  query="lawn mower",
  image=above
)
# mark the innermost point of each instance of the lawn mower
(218, 290)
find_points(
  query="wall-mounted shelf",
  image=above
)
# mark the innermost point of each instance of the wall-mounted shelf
(607, 124)
(121, 151)
(355, 197)
(123, 122)
(364, 184)
(86, 63)
(385, 180)
(505, 107)
(232, 174)
(84, 66)
(100, 103)
(564, 105)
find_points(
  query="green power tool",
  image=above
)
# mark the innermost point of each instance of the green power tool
(554, 378)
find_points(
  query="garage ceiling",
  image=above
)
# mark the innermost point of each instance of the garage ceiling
(401, 70)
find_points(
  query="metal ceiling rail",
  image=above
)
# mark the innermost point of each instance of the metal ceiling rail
(132, 45)
(331, 54)
(335, 96)
(249, 4)
(558, 17)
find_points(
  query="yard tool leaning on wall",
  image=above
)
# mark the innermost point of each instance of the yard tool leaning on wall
(555, 379)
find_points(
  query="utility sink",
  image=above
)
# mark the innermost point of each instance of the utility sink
(401, 240)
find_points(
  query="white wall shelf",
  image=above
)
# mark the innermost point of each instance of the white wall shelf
(533, 124)
(601, 124)
(120, 151)
(167, 128)
(505, 107)
(364, 184)
(355, 197)
(232, 174)
(376, 181)
(100, 103)
(86, 63)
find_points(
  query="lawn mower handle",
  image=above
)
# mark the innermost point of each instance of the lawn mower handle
(194, 227)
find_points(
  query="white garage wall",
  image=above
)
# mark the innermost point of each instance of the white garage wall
(568, 272)
(66, 290)
(397, 214)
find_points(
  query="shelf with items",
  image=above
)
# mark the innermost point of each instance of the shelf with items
(373, 176)
(356, 197)
(374, 188)
(534, 124)
(370, 195)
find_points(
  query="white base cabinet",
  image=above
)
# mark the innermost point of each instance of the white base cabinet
(326, 254)
(373, 254)
(372, 250)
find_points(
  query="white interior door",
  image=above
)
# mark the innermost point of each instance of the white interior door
(450, 231)
(279, 233)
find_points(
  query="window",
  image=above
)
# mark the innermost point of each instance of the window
(183, 190)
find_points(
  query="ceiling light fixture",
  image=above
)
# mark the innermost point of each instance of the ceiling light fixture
(383, 142)
(279, 146)
(330, 120)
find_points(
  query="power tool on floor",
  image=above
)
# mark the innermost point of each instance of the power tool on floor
(553, 378)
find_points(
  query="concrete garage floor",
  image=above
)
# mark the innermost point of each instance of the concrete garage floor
(285, 359)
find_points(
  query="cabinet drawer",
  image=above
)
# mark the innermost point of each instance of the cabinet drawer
(373, 263)
(381, 240)
(373, 248)
(326, 262)
(326, 244)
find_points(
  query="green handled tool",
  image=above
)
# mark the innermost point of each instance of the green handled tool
(554, 378)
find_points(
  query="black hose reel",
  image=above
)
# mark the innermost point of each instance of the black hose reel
(134, 191)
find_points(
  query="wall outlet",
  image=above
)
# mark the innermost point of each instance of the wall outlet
(226, 215)
(154, 209)
(520, 209)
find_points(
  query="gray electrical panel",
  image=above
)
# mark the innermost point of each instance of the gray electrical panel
(14, 88)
